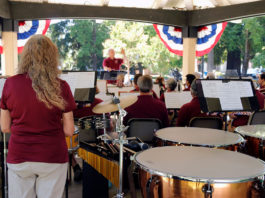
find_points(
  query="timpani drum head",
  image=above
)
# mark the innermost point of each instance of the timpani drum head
(200, 164)
(199, 136)
(257, 131)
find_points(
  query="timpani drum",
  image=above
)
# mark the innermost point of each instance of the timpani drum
(73, 141)
(192, 136)
(198, 172)
(255, 137)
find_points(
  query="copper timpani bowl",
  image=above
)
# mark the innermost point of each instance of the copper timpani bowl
(198, 172)
(255, 137)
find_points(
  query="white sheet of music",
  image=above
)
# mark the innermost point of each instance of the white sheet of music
(156, 89)
(2, 83)
(210, 88)
(229, 97)
(130, 94)
(175, 100)
(229, 93)
(115, 89)
(79, 80)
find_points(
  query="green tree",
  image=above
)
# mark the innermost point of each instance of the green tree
(242, 43)
(80, 43)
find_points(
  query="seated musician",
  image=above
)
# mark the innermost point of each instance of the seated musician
(171, 86)
(189, 79)
(113, 64)
(261, 82)
(191, 109)
(160, 81)
(147, 106)
(136, 87)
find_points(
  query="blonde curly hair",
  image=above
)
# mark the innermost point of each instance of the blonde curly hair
(39, 60)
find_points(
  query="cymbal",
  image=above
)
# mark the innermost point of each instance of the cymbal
(108, 106)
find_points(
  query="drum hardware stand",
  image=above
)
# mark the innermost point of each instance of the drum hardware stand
(225, 119)
(261, 152)
(120, 128)
(208, 190)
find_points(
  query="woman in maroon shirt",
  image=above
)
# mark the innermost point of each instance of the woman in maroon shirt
(37, 109)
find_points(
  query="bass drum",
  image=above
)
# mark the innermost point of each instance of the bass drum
(199, 172)
(192, 136)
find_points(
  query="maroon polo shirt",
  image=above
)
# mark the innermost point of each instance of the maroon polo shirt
(86, 111)
(188, 111)
(147, 107)
(137, 90)
(114, 64)
(36, 131)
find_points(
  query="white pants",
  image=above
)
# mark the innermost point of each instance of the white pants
(35, 179)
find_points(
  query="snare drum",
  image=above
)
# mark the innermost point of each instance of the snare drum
(192, 136)
(255, 136)
(198, 172)
(73, 141)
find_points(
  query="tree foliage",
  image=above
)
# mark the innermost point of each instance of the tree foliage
(247, 38)
(80, 43)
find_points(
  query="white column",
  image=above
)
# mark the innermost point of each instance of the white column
(189, 56)
(9, 59)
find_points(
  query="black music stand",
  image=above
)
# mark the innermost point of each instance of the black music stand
(112, 75)
(226, 95)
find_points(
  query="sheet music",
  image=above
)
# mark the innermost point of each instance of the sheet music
(210, 88)
(156, 89)
(229, 93)
(245, 89)
(129, 93)
(229, 97)
(2, 83)
(79, 80)
(175, 100)
(115, 89)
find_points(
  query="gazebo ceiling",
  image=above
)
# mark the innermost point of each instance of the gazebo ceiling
(171, 12)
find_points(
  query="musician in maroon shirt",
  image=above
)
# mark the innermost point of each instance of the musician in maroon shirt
(146, 106)
(191, 109)
(113, 64)
(261, 82)
(189, 79)
(171, 86)
(136, 87)
(37, 109)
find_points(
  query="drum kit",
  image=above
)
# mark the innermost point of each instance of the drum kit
(191, 162)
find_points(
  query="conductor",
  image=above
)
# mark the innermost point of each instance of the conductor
(113, 64)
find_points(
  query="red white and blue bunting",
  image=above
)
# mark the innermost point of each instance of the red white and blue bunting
(27, 29)
(207, 38)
